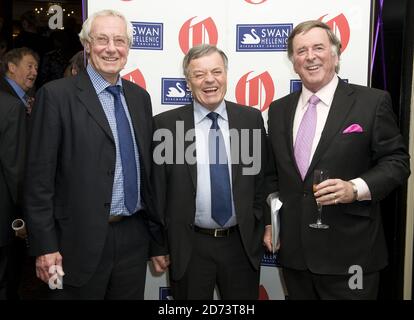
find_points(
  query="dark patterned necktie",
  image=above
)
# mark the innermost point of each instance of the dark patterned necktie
(29, 101)
(126, 149)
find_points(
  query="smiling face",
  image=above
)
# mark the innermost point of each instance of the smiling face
(24, 73)
(313, 58)
(207, 80)
(108, 59)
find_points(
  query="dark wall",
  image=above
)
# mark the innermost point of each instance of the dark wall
(392, 72)
(6, 15)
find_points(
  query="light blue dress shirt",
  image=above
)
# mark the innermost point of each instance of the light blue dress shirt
(107, 101)
(202, 126)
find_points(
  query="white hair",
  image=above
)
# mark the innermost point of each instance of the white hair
(84, 35)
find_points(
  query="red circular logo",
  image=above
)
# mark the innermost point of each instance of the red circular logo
(263, 295)
(255, 1)
(136, 77)
(255, 91)
(340, 27)
(193, 34)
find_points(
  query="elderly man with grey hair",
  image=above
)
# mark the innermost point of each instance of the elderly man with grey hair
(88, 198)
(349, 131)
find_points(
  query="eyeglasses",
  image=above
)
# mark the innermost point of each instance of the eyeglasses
(102, 40)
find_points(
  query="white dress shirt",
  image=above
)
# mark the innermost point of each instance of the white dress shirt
(325, 95)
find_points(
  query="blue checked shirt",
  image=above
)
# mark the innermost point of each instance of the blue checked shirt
(107, 101)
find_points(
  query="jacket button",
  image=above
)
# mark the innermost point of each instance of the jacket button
(305, 194)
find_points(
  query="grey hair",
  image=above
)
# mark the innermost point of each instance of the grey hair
(311, 24)
(201, 51)
(84, 35)
(15, 56)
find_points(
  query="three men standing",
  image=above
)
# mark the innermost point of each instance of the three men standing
(90, 205)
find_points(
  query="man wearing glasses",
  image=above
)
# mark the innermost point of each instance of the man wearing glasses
(88, 200)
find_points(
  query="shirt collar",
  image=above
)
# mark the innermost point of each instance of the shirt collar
(325, 94)
(200, 112)
(98, 82)
(19, 91)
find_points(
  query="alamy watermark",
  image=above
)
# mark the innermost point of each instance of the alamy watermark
(56, 20)
(357, 278)
(245, 147)
(56, 278)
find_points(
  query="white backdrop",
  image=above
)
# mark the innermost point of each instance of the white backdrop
(253, 34)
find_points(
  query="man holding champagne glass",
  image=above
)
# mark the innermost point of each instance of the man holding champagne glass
(349, 131)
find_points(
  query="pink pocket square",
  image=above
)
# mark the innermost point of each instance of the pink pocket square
(353, 128)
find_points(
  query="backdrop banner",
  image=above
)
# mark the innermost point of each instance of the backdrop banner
(253, 34)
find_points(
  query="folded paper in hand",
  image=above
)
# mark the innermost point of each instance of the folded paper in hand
(275, 204)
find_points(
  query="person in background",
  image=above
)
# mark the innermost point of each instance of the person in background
(350, 131)
(76, 64)
(19, 73)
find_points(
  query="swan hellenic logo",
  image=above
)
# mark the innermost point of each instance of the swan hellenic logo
(263, 37)
(175, 91)
(147, 35)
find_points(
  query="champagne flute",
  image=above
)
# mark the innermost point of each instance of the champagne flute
(319, 175)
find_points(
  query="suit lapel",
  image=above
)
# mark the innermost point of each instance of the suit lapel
(289, 118)
(187, 115)
(341, 105)
(89, 98)
(138, 123)
(233, 113)
(7, 87)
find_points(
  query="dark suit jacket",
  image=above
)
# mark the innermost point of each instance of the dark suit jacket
(12, 150)
(70, 171)
(6, 87)
(377, 155)
(176, 186)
